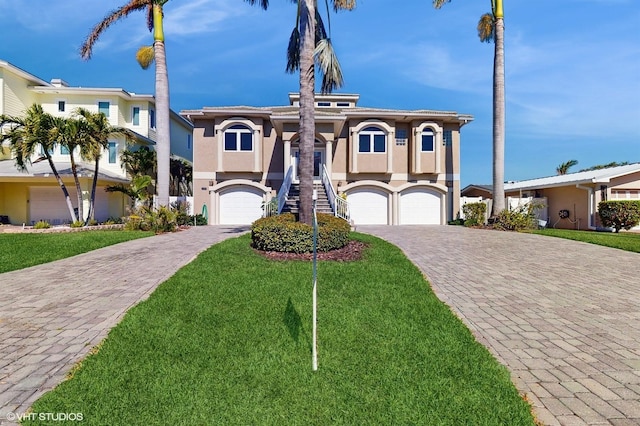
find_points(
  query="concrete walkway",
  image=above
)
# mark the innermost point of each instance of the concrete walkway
(563, 316)
(51, 315)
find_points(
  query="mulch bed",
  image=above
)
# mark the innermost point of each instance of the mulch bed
(352, 251)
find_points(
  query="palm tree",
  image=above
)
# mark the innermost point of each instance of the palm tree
(96, 134)
(70, 133)
(491, 28)
(29, 133)
(563, 168)
(310, 45)
(154, 10)
(136, 190)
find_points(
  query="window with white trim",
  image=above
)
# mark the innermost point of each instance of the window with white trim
(103, 107)
(238, 138)
(372, 139)
(135, 116)
(61, 106)
(113, 152)
(152, 118)
(428, 140)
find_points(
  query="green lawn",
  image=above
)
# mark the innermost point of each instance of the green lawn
(227, 341)
(22, 250)
(626, 240)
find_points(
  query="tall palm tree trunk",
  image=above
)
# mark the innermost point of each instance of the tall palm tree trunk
(498, 114)
(74, 171)
(162, 109)
(94, 184)
(67, 197)
(307, 108)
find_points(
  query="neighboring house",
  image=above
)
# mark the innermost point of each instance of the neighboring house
(26, 197)
(395, 166)
(572, 199)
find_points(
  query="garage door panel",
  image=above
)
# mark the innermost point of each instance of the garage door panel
(420, 207)
(48, 203)
(369, 206)
(240, 206)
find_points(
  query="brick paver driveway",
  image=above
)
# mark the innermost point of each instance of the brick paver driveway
(563, 316)
(51, 315)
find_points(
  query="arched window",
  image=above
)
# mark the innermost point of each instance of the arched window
(372, 139)
(428, 140)
(238, 138)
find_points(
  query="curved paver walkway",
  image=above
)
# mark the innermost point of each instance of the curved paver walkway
(51, 315)
(563, 316)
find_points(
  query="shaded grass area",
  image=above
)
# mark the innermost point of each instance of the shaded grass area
(22, 250)
(227, 340)
(625, 241)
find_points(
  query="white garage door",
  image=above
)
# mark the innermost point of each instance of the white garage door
(420, 206)
(48, 203)
(240, 206)
(369, 206)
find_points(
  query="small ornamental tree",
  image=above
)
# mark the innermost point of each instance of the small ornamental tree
(474, 213)
(619, 214)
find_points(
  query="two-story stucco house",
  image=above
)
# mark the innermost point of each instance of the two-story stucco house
(26, 197)
(395, 166)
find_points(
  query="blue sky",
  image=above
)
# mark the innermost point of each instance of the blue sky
(572, 66)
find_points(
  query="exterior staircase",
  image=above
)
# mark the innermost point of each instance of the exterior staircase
(292, 204)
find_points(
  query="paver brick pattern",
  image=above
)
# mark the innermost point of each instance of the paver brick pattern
(51, 315)
(563, 316)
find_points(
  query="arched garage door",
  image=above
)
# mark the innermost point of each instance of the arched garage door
(420, 206)
(369, 206)
(240, 205)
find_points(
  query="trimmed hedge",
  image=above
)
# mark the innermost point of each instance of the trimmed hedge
(474, 213)
(619, 214)
(282, 233)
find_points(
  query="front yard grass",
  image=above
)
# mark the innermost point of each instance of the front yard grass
(227, 340)
(628, 241)
(21, 250)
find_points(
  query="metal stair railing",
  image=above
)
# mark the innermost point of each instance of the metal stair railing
(275, 205)
(339, 205)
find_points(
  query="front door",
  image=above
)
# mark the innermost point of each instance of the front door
(318, 162)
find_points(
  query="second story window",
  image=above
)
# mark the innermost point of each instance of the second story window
(428, 140)
(372, 139)
(238, 138)
(135, 116)
(152, 118)
(103, 107)
(61, 106)
(113, 152)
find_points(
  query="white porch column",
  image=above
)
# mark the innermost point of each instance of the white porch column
(328, 158)
(287, 156)
(391, 142)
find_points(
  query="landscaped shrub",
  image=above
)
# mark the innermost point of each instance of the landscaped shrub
(619, 214)
(283, 234)
(474, 213)
(76, 224)
(42, 224)
(518, 219)
(162, 219)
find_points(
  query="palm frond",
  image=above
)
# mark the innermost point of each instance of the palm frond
(344, 4)
(293, 51)
(86, 49)
(321, 33)
(439, 3)
(263, 3)
(329, 66)
(145, 56)
(486, 28)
